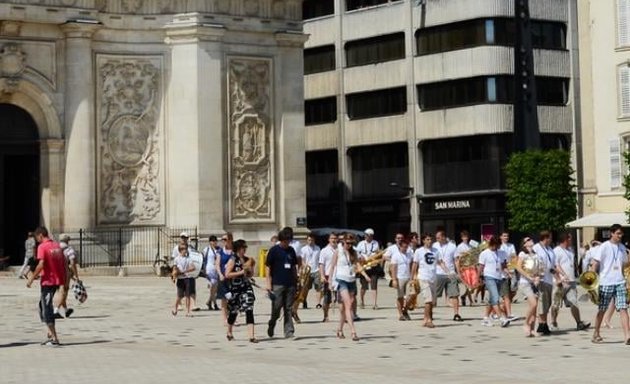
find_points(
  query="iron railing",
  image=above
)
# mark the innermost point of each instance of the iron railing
(128, 246)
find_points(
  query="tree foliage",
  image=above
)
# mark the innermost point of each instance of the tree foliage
(541, 190)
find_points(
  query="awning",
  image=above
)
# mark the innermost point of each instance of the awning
(600, 220)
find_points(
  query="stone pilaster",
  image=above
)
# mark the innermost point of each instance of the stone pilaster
(51, 182)
(79, 206)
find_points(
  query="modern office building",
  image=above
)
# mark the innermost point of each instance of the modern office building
(604, 46)
(409, 109)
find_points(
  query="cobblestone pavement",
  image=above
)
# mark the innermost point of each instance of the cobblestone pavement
(125, 333)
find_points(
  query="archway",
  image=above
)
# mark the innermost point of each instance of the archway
(20, 203)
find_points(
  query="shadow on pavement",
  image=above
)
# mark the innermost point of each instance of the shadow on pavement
(85, 343)
(19, 344)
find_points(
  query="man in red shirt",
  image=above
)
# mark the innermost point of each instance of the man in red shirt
(51, 264)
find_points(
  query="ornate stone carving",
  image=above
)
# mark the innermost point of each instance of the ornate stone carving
(129, 135)
(12, 65)
(250, 134)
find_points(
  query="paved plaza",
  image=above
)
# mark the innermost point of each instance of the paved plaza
(125, 333)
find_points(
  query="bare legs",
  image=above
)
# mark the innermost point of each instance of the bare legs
(347, 300)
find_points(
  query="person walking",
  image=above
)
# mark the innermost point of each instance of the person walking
(423, 268)
(238, 272)
(211, 253)
(325, 262)
(281, 271)
(529, 283)
(367, 248)
(182, 266)
(72, 273)
(400, 267)
(345, 266)
(492, 261)
(29, 252)
(51, 264)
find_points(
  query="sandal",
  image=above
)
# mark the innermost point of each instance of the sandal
(597, 340)
(340, 334)
(230, 337)
(457, 317)
(355, 337)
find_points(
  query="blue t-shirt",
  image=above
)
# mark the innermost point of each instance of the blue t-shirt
(225, 257)
(282, 265)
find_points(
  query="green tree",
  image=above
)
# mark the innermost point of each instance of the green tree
(541, 190)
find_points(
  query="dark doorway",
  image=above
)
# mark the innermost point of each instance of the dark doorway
(19, 180)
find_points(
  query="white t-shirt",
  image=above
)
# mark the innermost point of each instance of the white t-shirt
(547, 260)
(365, 249)
(447, 255)
(611, 258)
(310, 256)
(491, 261)
(345, 270)
(508, 248)
(588, 257)
(390, 251)
(211, 257)
(325, 258)
(564, 259)
(183, 264)
(403, 264)
(295, 244)
(462, 248)
(427, 260)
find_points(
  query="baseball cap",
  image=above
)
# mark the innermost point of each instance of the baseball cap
(369, 231)
(184, 234)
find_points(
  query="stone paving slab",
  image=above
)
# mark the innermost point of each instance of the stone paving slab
(125, 333)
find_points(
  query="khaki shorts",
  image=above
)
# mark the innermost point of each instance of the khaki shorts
(427, 291)
(545, 297)
(402, 288)
(445, 282)
(568, 296)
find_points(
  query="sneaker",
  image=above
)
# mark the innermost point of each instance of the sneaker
(51, 343)
(504, 322)
(318, 306)
(58, 315)
(583, 326)
(486, 322)
(554, 326)
(406, 315)
(69, 312)
(494, 316)
(545, 330)
(356, 318)
(512, 318)
(540, 328)
(270, 330)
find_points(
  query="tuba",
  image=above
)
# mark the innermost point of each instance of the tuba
(468, 266)
(413, 290)
(372, 261)
(590, 282)
(304, 283)
(531, 265)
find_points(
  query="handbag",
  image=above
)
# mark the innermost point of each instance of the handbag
(80, 293)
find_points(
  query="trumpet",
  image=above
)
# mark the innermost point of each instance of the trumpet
(590, 282)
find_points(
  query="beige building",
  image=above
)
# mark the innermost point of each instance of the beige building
(604, 44)
(138, 113)
(409, 109)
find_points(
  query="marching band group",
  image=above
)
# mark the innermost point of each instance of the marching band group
(421, 269)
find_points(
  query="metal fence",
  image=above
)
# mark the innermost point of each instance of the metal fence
(128, 246)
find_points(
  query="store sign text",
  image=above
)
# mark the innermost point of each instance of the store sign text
(457, 204)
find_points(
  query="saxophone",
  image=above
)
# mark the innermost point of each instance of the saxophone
(304, 283)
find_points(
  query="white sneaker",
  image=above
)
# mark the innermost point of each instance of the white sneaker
(504, 322)
(512, 318)
(62, 312)
(494, 316)
(486, 322)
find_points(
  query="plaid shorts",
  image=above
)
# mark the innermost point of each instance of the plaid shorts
(607, 292)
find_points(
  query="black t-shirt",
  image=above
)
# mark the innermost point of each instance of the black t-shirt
(282, 264)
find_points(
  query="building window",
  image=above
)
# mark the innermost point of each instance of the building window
(320, 111)
(615, 157)
(317, 8)
(319, 59)
(488, 90)
(623, 23)
(375, 167)
(623, 72)
(384, 102)
(480, 32)
(358, 4)
(322, 175)
(375, 49)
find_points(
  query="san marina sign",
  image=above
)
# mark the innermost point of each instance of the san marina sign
(455, 204)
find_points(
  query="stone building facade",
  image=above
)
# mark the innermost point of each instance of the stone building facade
(162, 113)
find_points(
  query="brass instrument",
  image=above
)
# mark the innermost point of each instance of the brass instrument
(590, 282)
(470, 258)
(413, 289)
(531, 266)
(304, 283)
(626, 275)
(372, 261)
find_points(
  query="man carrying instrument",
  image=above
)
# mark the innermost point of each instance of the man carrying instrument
(446, 272)
(365, 249)
(547, 259)
(462, 248)
(610, 260)
(509, 285)
(325, 260)
(567, 287)
(310, 258)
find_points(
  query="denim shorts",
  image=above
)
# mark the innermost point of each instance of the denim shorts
(344, 285)
(492, 285)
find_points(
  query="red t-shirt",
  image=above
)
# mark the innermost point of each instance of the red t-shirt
(54, 272)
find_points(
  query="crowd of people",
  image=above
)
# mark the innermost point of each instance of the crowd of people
(421, 269)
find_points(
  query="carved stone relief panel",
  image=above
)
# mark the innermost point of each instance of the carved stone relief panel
(251, 137)
(129, 138)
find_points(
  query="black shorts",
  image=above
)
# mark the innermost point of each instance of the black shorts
(186, 287)
(222, 289)
(373, 284)
(46, 310)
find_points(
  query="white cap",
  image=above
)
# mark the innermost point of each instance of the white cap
(184, 234)
(369, 232)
